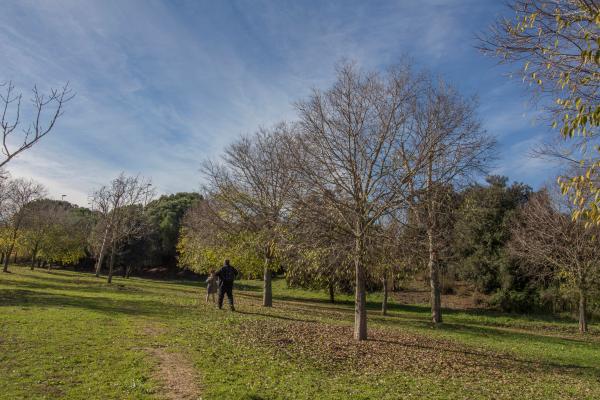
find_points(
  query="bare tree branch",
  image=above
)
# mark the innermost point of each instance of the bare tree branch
(41, 124)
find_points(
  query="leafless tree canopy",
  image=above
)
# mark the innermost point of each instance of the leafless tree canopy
(452, 148)
(253, 177)
(47, 108)
(375, 144)
(119, 205)
(554, 245)
(347, 155)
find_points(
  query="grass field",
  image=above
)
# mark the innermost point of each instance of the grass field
(68, 335)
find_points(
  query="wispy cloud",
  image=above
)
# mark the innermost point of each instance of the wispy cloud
(161, 86)
(519, 163)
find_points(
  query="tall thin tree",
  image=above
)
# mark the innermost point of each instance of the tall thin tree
(452, 148)
(346, 156)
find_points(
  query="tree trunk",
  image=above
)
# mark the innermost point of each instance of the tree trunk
(384, 303)
(2, 258)
(267, 287)
(111, 264)
(33, 256)
(434, 275)
(7, 257)
(434, 280)
(582, 311)
(102, 251)
(360, 300)
(128, 271)
(15, 257)
(39, 263)
(99, 264)
(331, 293)
(49, 266)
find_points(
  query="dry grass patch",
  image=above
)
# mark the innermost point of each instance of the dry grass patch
(176, 374)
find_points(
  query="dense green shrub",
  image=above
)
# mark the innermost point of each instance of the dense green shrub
(481, 232)
(508, 300)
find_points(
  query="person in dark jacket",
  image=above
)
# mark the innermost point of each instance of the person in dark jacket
(226, 277)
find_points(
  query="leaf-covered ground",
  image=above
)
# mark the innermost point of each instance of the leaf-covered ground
(69, 335)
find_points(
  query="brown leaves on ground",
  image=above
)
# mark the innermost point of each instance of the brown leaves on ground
(332, 347)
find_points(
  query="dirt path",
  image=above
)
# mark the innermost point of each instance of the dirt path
(176, 374)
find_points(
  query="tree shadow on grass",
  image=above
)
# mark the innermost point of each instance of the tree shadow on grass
(57, 277)
(493, 320)
(253, 397)
(425, 308)
(475, 312)
(531, 317)
(522, 363)
(170, 282)
(246, 288)
(80, 287)
(348, 305)
(91, 284)
(31, 298)
(276, 316)
(508, 334)
(74, 277)
(201, 284)
(518, 321)
(416, 316)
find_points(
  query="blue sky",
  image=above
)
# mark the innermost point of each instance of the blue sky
(162, 85)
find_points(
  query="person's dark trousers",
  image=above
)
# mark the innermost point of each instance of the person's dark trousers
(226, 288)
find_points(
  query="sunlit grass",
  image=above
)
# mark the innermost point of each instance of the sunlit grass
(70, 335)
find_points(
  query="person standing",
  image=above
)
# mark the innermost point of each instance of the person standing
(226, 277)
(211, 286)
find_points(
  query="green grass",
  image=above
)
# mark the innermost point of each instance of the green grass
(69, 335)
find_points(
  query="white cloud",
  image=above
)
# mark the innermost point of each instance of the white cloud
(160, 88)
(518, 162)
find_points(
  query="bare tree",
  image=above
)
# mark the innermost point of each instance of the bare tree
(117, 205)
(346, 155)
(40, 125)
(556, 246)
(99, 234)
(4, 196)
(452, 148)
(21, 193)
(252, 185)
(105, 200)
